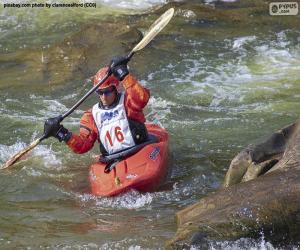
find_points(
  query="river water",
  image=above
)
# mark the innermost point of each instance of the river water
(218, 83)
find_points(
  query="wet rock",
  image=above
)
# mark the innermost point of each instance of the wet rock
(261, 195)
(268, 205)
(278, 151)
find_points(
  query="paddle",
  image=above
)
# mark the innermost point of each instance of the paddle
(154, 29)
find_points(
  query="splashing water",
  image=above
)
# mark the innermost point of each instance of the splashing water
(133, 4)
(7, 151)
(44, 153)
(129, 200)
(215, 92)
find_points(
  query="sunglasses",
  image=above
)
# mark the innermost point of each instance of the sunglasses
(105, 92)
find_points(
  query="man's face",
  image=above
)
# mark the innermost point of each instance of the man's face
(107, 95)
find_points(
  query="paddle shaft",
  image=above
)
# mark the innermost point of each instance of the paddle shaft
(77, 104)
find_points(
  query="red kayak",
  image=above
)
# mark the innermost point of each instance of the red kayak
(143, 168)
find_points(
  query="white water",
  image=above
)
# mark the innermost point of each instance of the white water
(214, 98)
(133, 4)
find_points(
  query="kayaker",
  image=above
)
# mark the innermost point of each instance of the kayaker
(116, 121)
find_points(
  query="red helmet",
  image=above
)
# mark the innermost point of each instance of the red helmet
(111, 81)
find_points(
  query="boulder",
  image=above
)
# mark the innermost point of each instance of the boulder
(278, 151)
(268, 205)
(261, 195)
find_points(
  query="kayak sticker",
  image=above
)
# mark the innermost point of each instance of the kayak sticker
(131, 176)
(117, 181)
(153, 155)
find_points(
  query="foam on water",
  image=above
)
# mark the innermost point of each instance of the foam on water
(7, 151)
(189, 14)
(130, 243)
(158, 102)
(129, 200)
(54, 107)
(49, 157)
(241, 41)
(106, 246)
(274, 61)
(159, 109)
(257, 64)
(245, 243)
(133, 4)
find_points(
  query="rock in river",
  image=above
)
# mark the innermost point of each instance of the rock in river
(261, 194)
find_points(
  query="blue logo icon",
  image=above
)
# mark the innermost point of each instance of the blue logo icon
(153, 155)
(109, 115)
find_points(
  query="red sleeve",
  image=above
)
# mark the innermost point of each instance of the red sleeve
(88, 133)
(136, 98)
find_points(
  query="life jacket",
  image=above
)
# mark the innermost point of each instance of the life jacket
(113, 127)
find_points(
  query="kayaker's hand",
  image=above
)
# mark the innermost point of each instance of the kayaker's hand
(52, 127)
(63, 134)
(118, 67)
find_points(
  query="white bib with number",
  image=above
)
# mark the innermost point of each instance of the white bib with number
(113, 127)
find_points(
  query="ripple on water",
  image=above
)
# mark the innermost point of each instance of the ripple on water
(39, 109)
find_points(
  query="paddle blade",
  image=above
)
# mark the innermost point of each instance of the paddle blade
(154, 29)
(18, 156)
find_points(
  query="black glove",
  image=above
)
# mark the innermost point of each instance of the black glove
(118, 67)
(63, 134)
(52, 127)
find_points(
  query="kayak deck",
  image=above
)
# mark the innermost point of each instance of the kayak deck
(144, 171)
